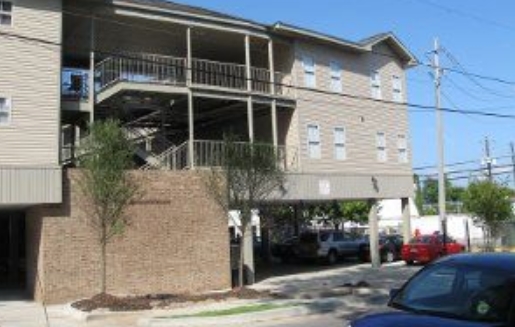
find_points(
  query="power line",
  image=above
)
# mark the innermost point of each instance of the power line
(466, 15)
(459, 163)
(456, 63)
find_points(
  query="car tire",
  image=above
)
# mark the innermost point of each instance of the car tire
(332, 257)
(363, 254)
(409, 262)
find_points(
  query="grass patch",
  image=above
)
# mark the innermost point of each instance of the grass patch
(235, 311)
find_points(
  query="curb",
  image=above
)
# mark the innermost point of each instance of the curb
(83, 316)
(246, 318)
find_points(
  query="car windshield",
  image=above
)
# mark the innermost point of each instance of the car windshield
(462, 292)
(421, 239)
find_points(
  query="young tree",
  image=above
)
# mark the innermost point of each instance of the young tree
(491, 204)
(250, 173)
(105, 183)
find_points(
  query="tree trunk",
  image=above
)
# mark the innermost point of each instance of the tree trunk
(103, 261)
(242, 256)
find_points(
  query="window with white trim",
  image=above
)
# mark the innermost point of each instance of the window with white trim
(375, 84)
(6, 13)
(381, 147)
(402, 148)
(336, 76)
(5, 111)
(340, 151)
(314, 146)
(309, 71)
(397, 89)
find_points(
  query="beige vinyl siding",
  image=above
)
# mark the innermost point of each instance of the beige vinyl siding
(30, 185)
(30, 76)
(361, 118)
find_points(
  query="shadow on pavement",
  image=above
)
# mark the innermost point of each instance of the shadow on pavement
(277, 269)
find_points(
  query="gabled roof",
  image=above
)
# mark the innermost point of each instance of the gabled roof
(394, 42)
(364, 45)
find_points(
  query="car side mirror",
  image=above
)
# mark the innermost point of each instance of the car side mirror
(394, 292)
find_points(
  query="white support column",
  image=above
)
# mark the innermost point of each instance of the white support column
(406, 220)
(275, 138)
(191, 124)
(248, 73)
(271, 68)
(248, 63)
(189, 63)
(373, 224)
(91, 82)
(250, 118)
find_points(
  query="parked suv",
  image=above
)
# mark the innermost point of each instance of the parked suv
(328, 245)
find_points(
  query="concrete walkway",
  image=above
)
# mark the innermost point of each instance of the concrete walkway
(313, 293)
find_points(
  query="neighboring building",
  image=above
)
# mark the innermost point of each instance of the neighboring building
(181, 77)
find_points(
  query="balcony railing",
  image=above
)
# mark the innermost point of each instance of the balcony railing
(211, 154)
(156, 69)
(141, 69)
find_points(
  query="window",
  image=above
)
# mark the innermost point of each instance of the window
(6, 13)
(336, 76)
(375, 84)
(314, 150)
(5, 111)
(381, 147)
(339, 143)
(402, 148)
(309, 71)
(397, 89)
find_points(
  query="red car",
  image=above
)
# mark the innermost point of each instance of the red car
(426, 248)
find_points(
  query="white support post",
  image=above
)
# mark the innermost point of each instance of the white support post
(191, 123)
(373, 224)
(275, 138)
(248, 73)
(406, 220)
(91, 82)
(271, 68)
(189, 64)
(248, 63)
(250, 119)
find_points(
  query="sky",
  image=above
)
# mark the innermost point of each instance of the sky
(479, 35)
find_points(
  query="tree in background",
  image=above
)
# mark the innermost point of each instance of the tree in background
(429, 194)
(337, 213)
(250, 173)
(106, 184)
(491, 205)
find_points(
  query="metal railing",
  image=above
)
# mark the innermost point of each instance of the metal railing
(149, 68)
(211, 154)
(75, 84)
(143, 68)
(219, 74)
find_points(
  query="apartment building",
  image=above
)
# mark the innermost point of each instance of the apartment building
(180, 78)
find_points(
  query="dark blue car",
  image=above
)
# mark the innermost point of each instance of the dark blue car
(466, 290)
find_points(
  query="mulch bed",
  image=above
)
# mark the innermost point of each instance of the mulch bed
(155, 301)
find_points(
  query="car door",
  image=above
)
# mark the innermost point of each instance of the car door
(339, 242)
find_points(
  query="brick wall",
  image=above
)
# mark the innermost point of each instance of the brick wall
(177, 242)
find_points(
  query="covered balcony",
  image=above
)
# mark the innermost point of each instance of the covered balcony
(148, 70)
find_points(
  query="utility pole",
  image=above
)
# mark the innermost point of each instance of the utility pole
(488, 159)
(512, 146)
(440, 140)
